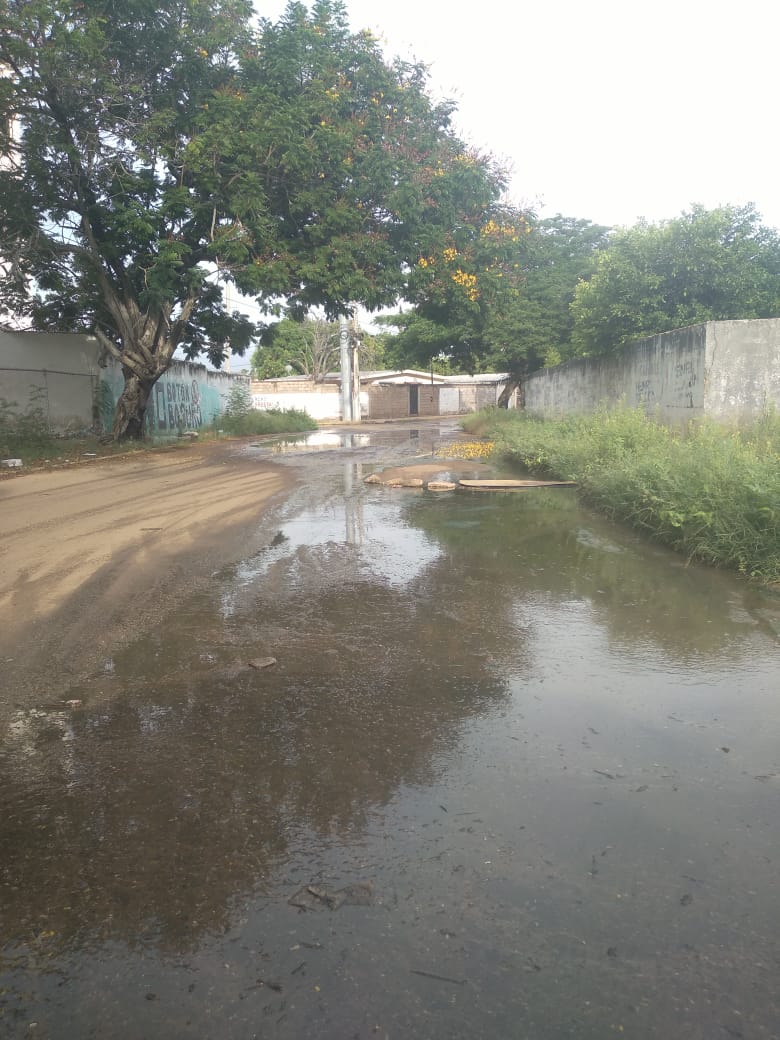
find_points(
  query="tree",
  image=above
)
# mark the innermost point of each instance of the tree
(706, 265)
(517, 315)
(460, 284)
(168, 148)
(309, 348)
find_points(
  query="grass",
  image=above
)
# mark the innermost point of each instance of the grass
(274, 420)
(711, 493)
(26, 435)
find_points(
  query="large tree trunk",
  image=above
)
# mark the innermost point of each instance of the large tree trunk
(130, 411)
(509, 386)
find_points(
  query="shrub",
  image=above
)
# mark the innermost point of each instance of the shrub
(273, 420)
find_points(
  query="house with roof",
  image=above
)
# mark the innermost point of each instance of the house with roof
(383, 395)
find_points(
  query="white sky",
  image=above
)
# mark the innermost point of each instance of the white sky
(608, 110)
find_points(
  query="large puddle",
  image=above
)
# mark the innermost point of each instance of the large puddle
(514, 773)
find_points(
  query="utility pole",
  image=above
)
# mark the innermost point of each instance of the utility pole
(354, 370)
(346, 375)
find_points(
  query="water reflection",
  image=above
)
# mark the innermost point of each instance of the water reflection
(322, 440)
(551, 747)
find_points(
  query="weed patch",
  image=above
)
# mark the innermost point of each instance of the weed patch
(711, 493)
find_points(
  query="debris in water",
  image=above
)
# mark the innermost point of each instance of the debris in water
(262, 662)
(321, 897)
(275, 986)
(726, 749)
(686, 899)
(441, 978)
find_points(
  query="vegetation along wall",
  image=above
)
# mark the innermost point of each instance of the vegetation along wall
(727, 370)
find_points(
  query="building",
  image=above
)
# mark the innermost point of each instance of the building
(399, 394)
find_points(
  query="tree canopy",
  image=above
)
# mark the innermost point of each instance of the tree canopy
(308, 348)
(509, 311)
(166, 147)
(706, 265)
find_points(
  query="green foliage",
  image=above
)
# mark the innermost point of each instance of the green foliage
(712, 494)
(24, 434)
(707, 265)
(520, 317)
(241, 419)
(166, 149)
(239, 400)
(274, 420)
(309, 348)
(560, 253)
(463, 287)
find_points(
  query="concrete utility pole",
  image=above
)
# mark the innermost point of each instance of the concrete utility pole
(346, 375)
(354, 368)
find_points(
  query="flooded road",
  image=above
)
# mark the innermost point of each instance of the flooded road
(514, 773)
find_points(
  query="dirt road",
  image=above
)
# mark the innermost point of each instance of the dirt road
(90, 556)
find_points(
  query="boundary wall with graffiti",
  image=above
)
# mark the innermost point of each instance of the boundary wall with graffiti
(726, 370)
(67, 377)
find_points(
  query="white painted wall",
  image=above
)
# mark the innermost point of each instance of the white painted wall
(321, 406)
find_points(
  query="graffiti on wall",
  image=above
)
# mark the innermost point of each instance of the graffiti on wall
(685, 380)
(645, 394)
(175, 406)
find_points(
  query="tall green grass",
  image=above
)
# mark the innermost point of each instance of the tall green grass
(711, 493)
(274, 420)
(240, 419)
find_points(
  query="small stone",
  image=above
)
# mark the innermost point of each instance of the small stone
(262, 662)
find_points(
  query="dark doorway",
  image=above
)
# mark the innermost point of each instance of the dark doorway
(414, 400)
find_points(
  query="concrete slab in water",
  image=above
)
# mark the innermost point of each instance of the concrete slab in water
(513, 485)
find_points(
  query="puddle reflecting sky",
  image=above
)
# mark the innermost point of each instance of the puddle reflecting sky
(551, 748)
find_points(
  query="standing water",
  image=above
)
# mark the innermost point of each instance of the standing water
(513, 773)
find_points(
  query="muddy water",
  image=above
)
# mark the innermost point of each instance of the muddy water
(522, 768)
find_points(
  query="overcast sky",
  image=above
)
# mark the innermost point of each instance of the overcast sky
(608, 110)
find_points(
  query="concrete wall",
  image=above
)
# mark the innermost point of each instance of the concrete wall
(186, 397)
(728, 370)
(322, 401)
(57, 372)
(63, 375)
(473, 397)
(392, 400)
(742, 369)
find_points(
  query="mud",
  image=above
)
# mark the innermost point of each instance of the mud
(519, 766)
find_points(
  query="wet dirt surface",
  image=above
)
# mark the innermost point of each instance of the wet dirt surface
(418, 766)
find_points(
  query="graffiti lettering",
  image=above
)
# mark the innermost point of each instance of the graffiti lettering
(175, 406)
(645, 392)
